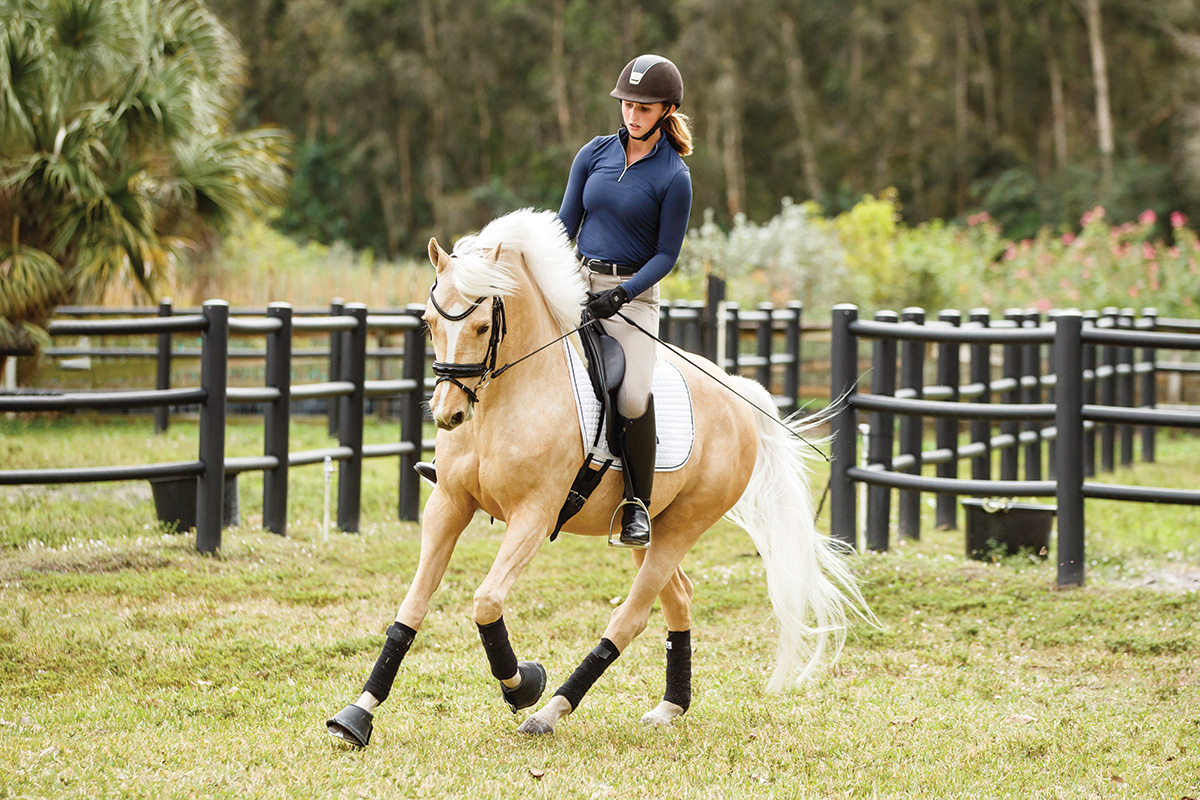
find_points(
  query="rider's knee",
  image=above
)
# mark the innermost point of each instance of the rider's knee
(632, 408)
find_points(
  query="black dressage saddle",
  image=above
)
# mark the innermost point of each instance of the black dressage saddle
(606, 369)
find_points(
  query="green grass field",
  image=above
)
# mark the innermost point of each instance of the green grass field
(130, 666)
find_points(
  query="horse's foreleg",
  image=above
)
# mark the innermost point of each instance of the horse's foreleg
(522, 683)
(657, 569)
(441, 526)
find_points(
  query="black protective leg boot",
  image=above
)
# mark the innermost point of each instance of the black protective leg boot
(638, 445)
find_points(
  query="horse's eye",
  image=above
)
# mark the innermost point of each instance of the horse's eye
(482, 329)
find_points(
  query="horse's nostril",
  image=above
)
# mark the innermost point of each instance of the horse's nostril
(457, 419)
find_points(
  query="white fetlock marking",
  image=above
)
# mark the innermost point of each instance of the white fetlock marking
(664, 714)
(367, 702)
(513, 682)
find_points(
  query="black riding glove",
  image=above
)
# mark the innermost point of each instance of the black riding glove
(605, 304)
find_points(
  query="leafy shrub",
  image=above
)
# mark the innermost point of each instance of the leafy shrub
(796, 255)
(869, 257)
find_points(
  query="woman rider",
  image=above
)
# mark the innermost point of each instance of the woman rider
(626, 205)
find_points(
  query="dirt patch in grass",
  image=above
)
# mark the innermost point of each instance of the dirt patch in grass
(98, 563)
(1181, 578)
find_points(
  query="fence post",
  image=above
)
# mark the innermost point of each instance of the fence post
(1149, 384)
(1125, 386)
(1108, 393)
(382, 404)
(412, 419)
(1051, 459)
(883, 383)
(1068, 418)
(665, 328)
(278, 418)
(945, 428)
(162, 414)
(350, 419)
(733, 337)
(1089, 398)
(791, 369)
(843, 372)
(210, 488)
(1031, 379)
(695, 327)
(912, 376)
(765, 333)
(1010, 454)
(981, 375)
(335, 365)
(710, 330)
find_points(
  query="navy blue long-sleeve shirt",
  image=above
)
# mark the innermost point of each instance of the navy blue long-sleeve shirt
(635, 215)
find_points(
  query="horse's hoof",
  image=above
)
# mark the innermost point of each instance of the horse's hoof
(529, 691)
(351, 725)
(536, 726)
(664, 714)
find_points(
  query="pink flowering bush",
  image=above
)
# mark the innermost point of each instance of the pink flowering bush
(868, 256)
(1121, 265)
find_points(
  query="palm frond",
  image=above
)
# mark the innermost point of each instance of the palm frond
(31, 283)
(21, 73)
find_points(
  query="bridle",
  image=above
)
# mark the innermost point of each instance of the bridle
(484, 370)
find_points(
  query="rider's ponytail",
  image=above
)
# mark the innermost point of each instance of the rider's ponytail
(678, 130)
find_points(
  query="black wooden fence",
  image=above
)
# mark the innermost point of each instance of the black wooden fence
(348, 387)
(774, 358)
(1078, 384)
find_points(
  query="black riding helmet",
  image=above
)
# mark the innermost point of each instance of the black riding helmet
(650, 79)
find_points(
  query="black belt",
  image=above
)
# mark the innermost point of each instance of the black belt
(607, 267)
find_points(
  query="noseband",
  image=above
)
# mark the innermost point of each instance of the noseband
(485, 370)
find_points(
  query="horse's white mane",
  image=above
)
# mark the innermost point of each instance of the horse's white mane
(542, 241)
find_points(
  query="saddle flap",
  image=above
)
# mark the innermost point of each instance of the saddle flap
(605, 359)
(612, 355)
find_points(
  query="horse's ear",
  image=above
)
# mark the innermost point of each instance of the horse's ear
(495, 254)
(438, 256)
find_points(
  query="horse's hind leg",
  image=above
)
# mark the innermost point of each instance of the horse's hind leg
(676, 530)
(676, 602)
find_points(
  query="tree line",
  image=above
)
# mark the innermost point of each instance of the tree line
(415, 117)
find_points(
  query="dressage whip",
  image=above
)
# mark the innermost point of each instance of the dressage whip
(682, 354)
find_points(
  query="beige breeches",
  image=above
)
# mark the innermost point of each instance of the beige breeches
(640, 350)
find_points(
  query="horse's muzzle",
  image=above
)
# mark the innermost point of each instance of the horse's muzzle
(448, 415)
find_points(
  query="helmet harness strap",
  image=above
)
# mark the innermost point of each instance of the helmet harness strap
(657, 125)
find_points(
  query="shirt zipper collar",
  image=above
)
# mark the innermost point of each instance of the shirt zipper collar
(623, 137)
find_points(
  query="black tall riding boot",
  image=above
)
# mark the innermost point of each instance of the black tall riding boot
(638, 444)
(427, 471)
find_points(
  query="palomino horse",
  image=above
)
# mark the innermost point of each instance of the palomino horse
(501, 448)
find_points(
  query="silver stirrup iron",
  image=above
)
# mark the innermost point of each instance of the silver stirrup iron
(614, 532)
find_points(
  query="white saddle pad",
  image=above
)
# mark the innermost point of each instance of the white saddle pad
(674, 424)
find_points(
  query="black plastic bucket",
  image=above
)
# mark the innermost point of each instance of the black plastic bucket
(175, 502)
(1002, 527)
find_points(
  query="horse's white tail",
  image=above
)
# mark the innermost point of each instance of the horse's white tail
(809, 582)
